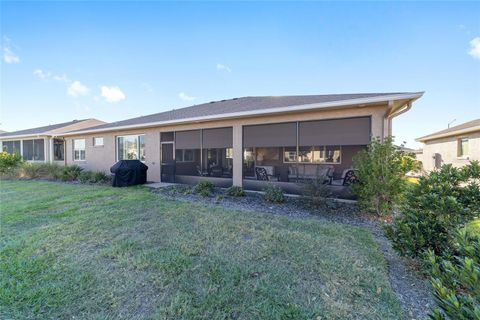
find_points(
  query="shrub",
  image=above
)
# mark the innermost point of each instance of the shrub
(52, 170)
(203, 188)
(456, 281)
(381, 176)
(274, 194)
(235, 191)
(71, 173)
(85, 177)
(9, 163)
(434, 208)
(32, 170)
(315, 193)
(101, 177)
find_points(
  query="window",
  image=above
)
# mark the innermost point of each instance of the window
(79, 149)
(11, 146)
(34, 150)
(58, 150)
(463, 147)
(98, 141)
(316, 154)
(131, 147)
(185, 155)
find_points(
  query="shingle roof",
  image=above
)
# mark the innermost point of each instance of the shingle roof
(39, 130)
(452, 131)
(244, 104)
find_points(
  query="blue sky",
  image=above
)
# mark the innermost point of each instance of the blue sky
(116, 60)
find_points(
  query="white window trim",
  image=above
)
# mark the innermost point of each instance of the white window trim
(84, 149)
(129, 135)
(459, 149)
(98, 145)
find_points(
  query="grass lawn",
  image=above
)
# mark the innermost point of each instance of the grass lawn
(109, 253)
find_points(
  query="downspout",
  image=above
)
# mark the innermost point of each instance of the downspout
(398, 112)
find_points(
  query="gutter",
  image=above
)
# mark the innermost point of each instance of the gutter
(341, 103)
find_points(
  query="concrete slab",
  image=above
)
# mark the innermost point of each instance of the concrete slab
(158, 185)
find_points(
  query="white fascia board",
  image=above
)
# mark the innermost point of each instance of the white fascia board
(24, 136)
(448, 134)
(287, 109)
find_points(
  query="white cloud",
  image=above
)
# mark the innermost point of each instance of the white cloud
(475, 48)
(185, 97)
(9, 56)
(61, 78)
(112, 94)
(77, 89)
(223, 67)
(41, 74)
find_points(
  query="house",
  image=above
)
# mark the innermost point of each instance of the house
(43, 144)
(457, 145)
(245, 141)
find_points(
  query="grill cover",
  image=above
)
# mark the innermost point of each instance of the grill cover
(129, 173)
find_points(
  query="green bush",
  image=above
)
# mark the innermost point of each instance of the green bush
(274, 194)
(235, 191)
(203, 188)
(101, 177)
(456, 281)
(315, 193)
(9, 163)
(53, 170)
(86, 177)
(93, 177)
(32, 170)
(434, 208)
(71, 173)
(381, 176)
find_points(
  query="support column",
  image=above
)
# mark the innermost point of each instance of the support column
(50, 154)
(237, 155)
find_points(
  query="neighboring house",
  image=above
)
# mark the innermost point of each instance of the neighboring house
(283, 139)
(456, 145)
(43, 144)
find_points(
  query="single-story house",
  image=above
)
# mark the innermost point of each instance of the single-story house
(457, 145)
(43, 144)
(244, 141)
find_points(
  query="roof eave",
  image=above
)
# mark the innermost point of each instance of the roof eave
(448, 134)
(333, 104)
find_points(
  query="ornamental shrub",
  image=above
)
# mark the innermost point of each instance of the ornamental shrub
(381, 170)
(71, 173)
(203, 188)
(274, 194)
(456, 281)
(235, 191)
(9, 163)
(439, 204)
(315, 192)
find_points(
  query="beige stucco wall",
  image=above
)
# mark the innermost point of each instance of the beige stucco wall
(102, 158)
(448, 148)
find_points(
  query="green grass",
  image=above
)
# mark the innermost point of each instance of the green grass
(122, 253)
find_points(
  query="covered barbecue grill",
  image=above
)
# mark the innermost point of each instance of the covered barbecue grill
(129, 173)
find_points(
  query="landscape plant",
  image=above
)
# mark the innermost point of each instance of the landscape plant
(315, 193)
(274, 194)
(434, 209)
(235, 191)
(456, 281)
(381, 171)
(70, 173)
(203, 188)
(9, 162)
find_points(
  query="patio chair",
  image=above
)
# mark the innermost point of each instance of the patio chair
(261, 174)
(349, 177)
